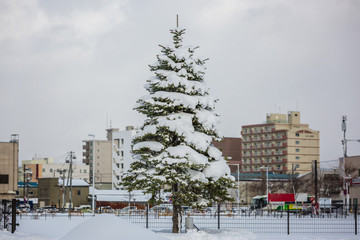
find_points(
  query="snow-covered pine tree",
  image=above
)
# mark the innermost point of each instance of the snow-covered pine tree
(173, 150)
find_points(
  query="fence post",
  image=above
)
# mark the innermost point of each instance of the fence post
(147, 215)
(13, 215)
(288, 220)
(218, 215)
(355, 215)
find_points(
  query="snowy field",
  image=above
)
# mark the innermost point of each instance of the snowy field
(108, 226)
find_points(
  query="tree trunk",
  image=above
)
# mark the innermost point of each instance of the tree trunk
(176, 218)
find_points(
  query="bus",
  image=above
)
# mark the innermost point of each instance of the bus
(283, 201)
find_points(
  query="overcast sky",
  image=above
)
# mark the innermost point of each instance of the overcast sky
(69, 67)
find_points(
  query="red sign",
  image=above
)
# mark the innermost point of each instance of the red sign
(281, 197)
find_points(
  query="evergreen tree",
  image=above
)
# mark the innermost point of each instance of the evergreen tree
(173, 150)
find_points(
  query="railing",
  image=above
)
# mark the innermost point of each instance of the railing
(308, 220)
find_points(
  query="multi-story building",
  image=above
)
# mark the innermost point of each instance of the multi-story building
(47, 168)
(101, 151)
(112, 157)
(231, 148)
(9, 157)
(281, 145)
(121, 154)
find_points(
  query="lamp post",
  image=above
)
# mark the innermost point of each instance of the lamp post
(93, 173)
(238, 179)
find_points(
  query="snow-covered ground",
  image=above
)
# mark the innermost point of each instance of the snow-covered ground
(108, 226)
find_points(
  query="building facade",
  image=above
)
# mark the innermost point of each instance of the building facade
(46, 168)
(112, 157)
(101, 151)
(282, 145)
(52, 193)
(121, 154)
(9, 157)
(231, 149)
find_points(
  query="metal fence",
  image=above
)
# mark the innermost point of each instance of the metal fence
(258, 221)
(225, 216)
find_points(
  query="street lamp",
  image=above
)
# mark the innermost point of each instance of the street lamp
(93, 173)
(238, 179)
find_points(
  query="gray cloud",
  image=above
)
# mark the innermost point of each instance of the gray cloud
(66, 65)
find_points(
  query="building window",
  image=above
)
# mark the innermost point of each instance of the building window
(297, 142)
(297, 166)
(4, 179)
(84, 170)
(17, 192)
(122, 141)
(297, 134)
(80, 170)
(51, 169)
(77, 192)
(297, 150)
(297, 158)
(122, 153)
(43, 170)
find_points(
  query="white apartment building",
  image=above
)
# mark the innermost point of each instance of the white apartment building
(121, 154)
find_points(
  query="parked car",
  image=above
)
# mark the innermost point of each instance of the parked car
(128, 209)
(161, 208)
(50, 209)
(106, 209)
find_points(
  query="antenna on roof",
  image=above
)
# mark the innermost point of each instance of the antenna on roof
(177, 20)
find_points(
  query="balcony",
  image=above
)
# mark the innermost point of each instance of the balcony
(248, 162)
(267, 138)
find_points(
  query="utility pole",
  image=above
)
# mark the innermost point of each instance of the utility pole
(69, 159)
(62, 172)
(316, 182)
(24, 182)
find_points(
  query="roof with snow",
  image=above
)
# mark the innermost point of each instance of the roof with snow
(75, 183)
(119, 195)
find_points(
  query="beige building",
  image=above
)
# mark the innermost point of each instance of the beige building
(101, 151)
(283, 144)
(9, 155)
(50, 193)
(46, 168)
